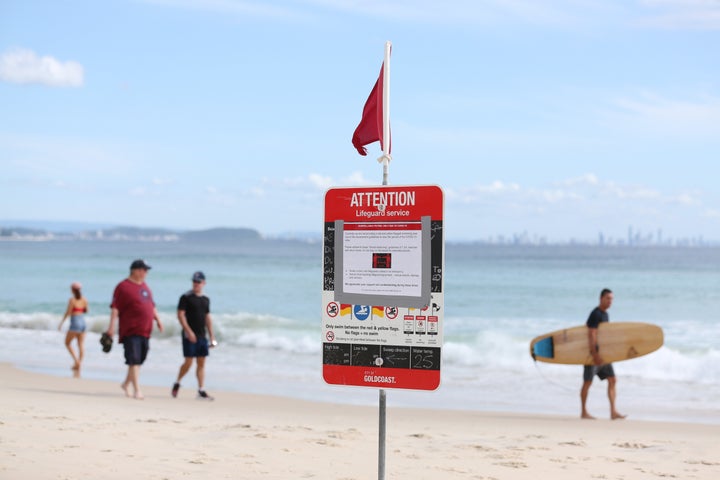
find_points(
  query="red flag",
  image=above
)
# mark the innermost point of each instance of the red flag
(370, 128)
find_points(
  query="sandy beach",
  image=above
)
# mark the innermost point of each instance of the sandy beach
(65, 428)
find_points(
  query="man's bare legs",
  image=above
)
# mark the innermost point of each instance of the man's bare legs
(614, 414)
(583, 401)
(184, 368)
(131, 379)
(200, 371)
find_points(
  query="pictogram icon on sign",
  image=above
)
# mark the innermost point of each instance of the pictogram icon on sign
(391, 312)
(333, 309)
(361, 312)
(330, 336)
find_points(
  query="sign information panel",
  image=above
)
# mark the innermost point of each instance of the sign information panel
(383, 286)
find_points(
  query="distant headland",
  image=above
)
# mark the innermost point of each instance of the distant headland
(128, 233)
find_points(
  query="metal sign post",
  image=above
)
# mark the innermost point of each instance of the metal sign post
(381, 435)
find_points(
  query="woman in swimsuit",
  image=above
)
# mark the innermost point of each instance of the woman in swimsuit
(76, 310)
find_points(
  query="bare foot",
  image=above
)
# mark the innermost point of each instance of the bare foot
(587, 416)
(124, 386)
(139, 396)
(617, 416)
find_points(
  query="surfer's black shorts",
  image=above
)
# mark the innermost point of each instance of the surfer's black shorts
(602, 371)
(136, 349)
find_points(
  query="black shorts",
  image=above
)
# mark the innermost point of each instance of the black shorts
(197, 349)
(602, 371)
(136, 349)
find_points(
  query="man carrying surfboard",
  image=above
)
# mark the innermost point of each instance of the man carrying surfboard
(604, 371)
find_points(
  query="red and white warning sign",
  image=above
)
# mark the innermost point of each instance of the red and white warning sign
(383, 286)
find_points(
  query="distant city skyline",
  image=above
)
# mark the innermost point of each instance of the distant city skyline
(562, 118)
(640, 239)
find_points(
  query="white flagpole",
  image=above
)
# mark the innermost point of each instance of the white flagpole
(385, 158)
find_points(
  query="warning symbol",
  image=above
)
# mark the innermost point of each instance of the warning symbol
(391, 312)
(330, 336)
(332, 309)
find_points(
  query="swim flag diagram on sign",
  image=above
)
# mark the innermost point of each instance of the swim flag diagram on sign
(374, 125)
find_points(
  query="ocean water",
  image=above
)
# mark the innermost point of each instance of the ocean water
(265, 299)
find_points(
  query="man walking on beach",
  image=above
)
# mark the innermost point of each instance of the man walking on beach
(601, 369)
(194, 316)
(133, 310)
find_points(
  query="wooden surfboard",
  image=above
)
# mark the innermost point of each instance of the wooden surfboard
(616, 341)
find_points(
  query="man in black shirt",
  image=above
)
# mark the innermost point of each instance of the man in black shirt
(194, 316)
(602, 370)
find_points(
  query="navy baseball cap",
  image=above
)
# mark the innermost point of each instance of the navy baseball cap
(139, 264)
(198, 277)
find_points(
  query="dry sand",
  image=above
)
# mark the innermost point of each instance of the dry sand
(65, 428)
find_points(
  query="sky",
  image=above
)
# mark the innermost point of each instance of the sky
(559, 118)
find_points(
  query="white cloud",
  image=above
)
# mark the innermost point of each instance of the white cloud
(584, 191)
(682, 14)
(51, 157)
(162, 181)
(566, 14)
(673, 14)
(356, 179)
(497, 187)
(686, 199)
(24, 66)
(234, 7)
(652, 113)
(587, 179)
(316, 181)
(579, 206)
(711, 213)
(552, 13)
(613, 190)
(320, 181)
(556, 196)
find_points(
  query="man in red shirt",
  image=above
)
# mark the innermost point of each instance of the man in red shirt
(133, 310)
